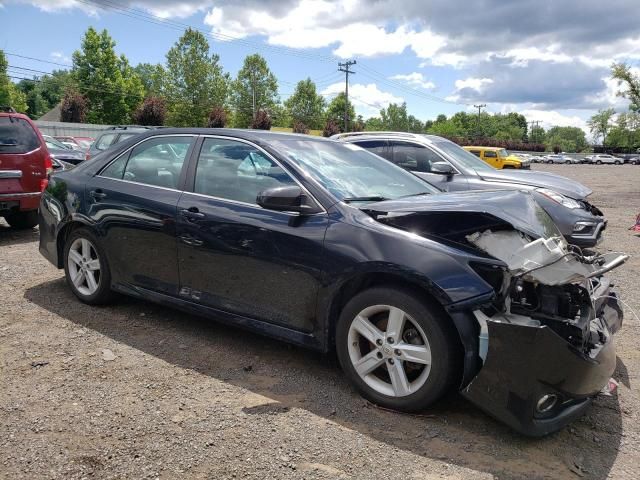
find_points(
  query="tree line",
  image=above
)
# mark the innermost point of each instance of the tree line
(192, 89)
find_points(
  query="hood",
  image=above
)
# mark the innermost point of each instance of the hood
(558, 183)
(453, 215)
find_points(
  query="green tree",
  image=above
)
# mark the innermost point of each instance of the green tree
(194, 82)
(152, 78)
(600, 124)
(306, 105)
(395, 118)
(255, 88)
(625, 133)
(569, 139)
(335, 110)
(373, 124)
(107, 81)
(10, 94)
(622, 73)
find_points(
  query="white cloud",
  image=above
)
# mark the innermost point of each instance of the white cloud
(368, 99)
(60, 57)
(477, 84)
(415, 79)
(520, 57)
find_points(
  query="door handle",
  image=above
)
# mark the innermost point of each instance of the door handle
(97, 194)
(192, 213)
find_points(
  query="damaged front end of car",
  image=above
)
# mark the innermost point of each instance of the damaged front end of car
(542, 347)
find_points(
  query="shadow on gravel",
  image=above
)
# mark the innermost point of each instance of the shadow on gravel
(453, 431)
(10, 236)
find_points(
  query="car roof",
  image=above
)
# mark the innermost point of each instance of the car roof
(357, 136)
(246, 134)
(15, 115)
(484, 148)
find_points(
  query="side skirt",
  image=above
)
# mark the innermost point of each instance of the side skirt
(257, 326)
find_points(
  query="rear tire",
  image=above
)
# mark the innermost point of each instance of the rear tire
(617, 162)
(379, 329)
(86, 268)
(568, 162)
(23, 220)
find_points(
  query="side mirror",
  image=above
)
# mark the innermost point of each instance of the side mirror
(287, 199)
(442, 168)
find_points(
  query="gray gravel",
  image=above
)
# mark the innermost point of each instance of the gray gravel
(139, 391)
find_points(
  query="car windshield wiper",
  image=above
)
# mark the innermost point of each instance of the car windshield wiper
(416, 194)
(372, 198)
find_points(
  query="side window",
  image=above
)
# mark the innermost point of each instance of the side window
(379, 147)
(157, 161)
(415, 158)
(236, 171)
(490, 154)
(477, 153)
(104, 141)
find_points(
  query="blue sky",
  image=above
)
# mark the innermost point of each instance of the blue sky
(546, 59)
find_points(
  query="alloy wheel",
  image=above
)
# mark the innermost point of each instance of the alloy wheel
(84, 266)
(389, 350)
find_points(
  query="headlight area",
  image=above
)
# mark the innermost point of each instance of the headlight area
(559, 198)
(545, 342)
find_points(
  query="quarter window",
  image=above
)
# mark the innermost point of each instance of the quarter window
(157, 161)
(236, 171)
(104, 141)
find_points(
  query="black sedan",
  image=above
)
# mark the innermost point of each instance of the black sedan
(329, 246)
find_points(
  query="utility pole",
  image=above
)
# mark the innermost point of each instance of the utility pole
(479, 107)
(253, 91)
(344, 67)
(536, 123)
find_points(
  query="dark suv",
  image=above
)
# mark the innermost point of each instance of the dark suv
(112, 136)
(24, 169)
(451, 168)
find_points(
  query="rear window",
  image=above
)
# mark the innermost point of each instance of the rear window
(17, 136)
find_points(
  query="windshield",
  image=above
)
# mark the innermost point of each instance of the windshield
(351, 172)
(462, 157)
(503, 153)
(53, 143)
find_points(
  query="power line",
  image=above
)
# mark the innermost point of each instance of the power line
(37, 59)
(344, 67)
(154, 19)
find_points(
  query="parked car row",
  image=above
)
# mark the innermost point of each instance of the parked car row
(421, 266)
(595, 159)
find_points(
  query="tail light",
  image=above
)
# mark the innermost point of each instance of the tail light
(48, 165)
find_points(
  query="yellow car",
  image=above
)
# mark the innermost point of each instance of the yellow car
(498, 157)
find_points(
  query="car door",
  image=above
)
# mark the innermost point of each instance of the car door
(133, 203)
(236, 256)
(418, 159)
(491, 157)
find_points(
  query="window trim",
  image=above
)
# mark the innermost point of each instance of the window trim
(193, 166)
(183, 172)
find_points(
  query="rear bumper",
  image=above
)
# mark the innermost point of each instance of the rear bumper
(524, 363)
(19, 201)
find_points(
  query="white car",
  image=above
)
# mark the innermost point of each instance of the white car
(559, 158)
(601, 158)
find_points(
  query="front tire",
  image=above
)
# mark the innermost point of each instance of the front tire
(86, 268)
(23, 220)
(599, 162)
(399, 351)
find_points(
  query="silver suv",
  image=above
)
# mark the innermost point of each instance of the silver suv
(451, 168)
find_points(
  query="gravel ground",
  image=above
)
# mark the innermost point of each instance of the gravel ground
(139, 391)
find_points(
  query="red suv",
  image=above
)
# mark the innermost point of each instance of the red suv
(25, 166)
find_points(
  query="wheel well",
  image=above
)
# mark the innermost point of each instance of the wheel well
(364, 281)
(61, 239)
